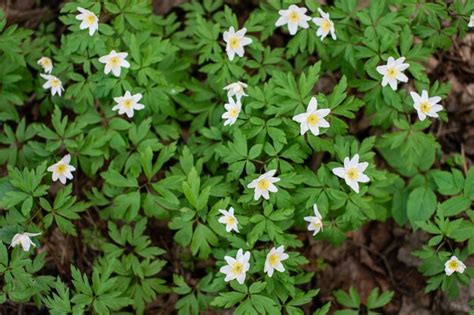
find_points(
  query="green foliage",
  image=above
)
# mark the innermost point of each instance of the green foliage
(353, 303)
(142, 209)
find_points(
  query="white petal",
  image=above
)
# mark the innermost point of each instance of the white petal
(362, 166)
(313, 105)
(292, 28)
(393, 84)
(272, 188)
(381, 69)
(257, 194)
(282, 20)
(300, 117)
(339, 171)
(116, 71)
(353, 184)
(279, 266)
(402, 77)
(434, 100)
(241, 278)
(363, 178)
(314, 130)
(230, 54)
(415, 97)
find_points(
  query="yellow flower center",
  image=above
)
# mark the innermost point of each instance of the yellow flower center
(392, 73)
(425, 107)
(44, 62)
(312, 119)
(229, 220)
(316, 224)
(114, 61)
(453, 264)
(128, 103)
(263, 184)
(237, 268)
(61, 168)
(234, 42)
(293, 17)
(352, 173)
(90, 19)
(326, 25)
(233, 113)
(55, 83)
(273, 260)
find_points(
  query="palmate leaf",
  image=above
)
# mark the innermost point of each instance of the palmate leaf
(60, 302)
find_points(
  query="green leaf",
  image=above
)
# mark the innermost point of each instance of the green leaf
(446, 183)
(469, 184)
(421, 205)
(203, 238)
(455, 205)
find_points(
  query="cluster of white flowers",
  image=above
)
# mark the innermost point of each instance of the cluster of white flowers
(233, 106)
(393, 72)
(90, 21)
(52, 82)
(237, 267)
(295, 17)
(114, 62)
(313, 119)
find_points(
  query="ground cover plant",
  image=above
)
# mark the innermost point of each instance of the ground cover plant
(253, 157)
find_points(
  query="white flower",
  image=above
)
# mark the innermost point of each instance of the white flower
(24, 240)
(426, 106)
(263, 184)
(236, 42)
(315, 222)
(392, 72)
(313, 118)
(232, 111)
(114, 61)
(237, 267)
(62, 169)
(471, 20)
(325, 24)
(128, 103)
(228, 218)
(46, 63)
(352, 172)
(274, 259)
(454, 265)
(236, 89)
(294, 17)
(52, 83)
(89, 20)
